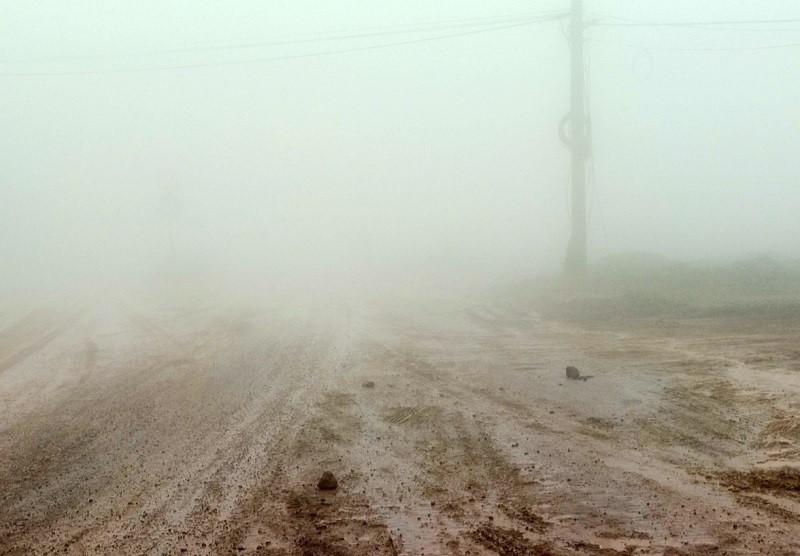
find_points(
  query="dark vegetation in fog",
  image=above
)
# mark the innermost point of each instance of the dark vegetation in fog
(642, 285)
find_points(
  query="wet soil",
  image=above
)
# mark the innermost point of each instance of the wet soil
(205, 430)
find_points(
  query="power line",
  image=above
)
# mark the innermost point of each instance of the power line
(708, 28)
(699, 48)
(759, 25)
(301, 38)
(285, 57)
(260, 44)
(627, 22)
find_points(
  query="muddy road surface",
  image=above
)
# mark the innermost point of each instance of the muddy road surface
(204, 430)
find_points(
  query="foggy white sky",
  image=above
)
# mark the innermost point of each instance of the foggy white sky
(441, 155)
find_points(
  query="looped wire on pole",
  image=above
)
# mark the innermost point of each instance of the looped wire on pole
(586, 146)
(639, 55)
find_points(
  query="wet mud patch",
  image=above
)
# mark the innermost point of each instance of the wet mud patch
(507, 542)
(412, 415)
(457, 452)
(622, 534)
(336, 524)
(783, 481)
(421, 368)
(23, 340)
(502, 399)
(781, 432)
(598, 427)
(288, 514)
(759, 502)
(697, 365)
(701, 418)
(699, 550)
(533, 521)
(27, 468)
(334, 423)
(469, 480)
(88, 355)
(308, 522)
(595, 549)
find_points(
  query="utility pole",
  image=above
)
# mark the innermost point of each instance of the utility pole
(578, 144)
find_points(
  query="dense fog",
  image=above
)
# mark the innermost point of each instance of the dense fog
(404, 277)
(429, 162)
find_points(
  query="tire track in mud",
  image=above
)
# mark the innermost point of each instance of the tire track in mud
(42, 341)
(718, 405)
(443, 485)
(153, 329)
(114, 435)
(213, 444)
(714, 410)
(257, 455)
(229, 474)
(725, 411)
(287, 514)
(615, 473)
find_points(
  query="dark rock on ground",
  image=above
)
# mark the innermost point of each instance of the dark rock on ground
(574, 374)
(327, 482)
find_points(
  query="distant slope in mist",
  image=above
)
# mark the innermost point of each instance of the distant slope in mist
(694, 283)
(644, 285)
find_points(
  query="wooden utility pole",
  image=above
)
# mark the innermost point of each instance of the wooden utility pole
(578, 143)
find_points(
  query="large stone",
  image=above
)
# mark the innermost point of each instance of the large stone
(574, 374)
(327, 482)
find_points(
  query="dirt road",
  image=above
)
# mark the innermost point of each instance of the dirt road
(203, 430)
